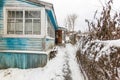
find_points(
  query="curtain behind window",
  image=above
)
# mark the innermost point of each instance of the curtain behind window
(30, 24)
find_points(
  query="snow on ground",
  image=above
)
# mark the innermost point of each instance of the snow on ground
(71, 52)
(63, 67)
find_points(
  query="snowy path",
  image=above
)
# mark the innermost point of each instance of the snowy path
(73, 66)
(63, 67)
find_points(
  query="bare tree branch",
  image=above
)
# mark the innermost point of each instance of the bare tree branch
(70, 21)
(104, 26)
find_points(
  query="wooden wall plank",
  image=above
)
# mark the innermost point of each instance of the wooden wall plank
(21, 44)
(23, 61)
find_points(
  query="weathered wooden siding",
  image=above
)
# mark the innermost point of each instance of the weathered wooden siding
(22, 3)
(1, 16)
(30, 44)
(18, 43)
(22, 60)
(49, 43)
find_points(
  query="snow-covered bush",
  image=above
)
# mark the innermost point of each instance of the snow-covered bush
(99, 59)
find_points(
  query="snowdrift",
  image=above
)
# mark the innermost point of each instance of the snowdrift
(100, 60)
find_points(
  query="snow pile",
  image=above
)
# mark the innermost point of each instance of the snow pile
(62, 67)
(101, 57)
(96, 48)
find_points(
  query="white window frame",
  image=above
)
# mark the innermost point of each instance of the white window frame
(22, 9)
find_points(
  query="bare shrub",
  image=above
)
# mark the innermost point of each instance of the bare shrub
(105, 27)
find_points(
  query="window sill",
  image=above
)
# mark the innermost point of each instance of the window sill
(49, 37)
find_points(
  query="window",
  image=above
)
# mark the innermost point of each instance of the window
(15, 22)
(24, 22)
(50, 30)
(32, 22)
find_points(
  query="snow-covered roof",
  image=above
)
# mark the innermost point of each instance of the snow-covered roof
(62, 28)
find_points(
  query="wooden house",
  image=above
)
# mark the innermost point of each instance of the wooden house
(27, 31)
(60, 35)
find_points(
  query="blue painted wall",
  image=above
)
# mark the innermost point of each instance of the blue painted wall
(22, 60)
(30, 44)
(1, 15)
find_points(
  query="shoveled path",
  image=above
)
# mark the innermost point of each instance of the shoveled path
(70, 68)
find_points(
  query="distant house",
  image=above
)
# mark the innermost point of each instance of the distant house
(27, 31)
(61, 35)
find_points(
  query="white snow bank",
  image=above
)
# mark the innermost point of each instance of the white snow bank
(52, 71)
(107, 48)
(110, 43)
(100, 48)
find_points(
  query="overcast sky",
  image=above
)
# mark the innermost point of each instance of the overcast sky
(83, 8)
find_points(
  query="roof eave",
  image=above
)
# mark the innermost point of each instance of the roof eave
(45, 4)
